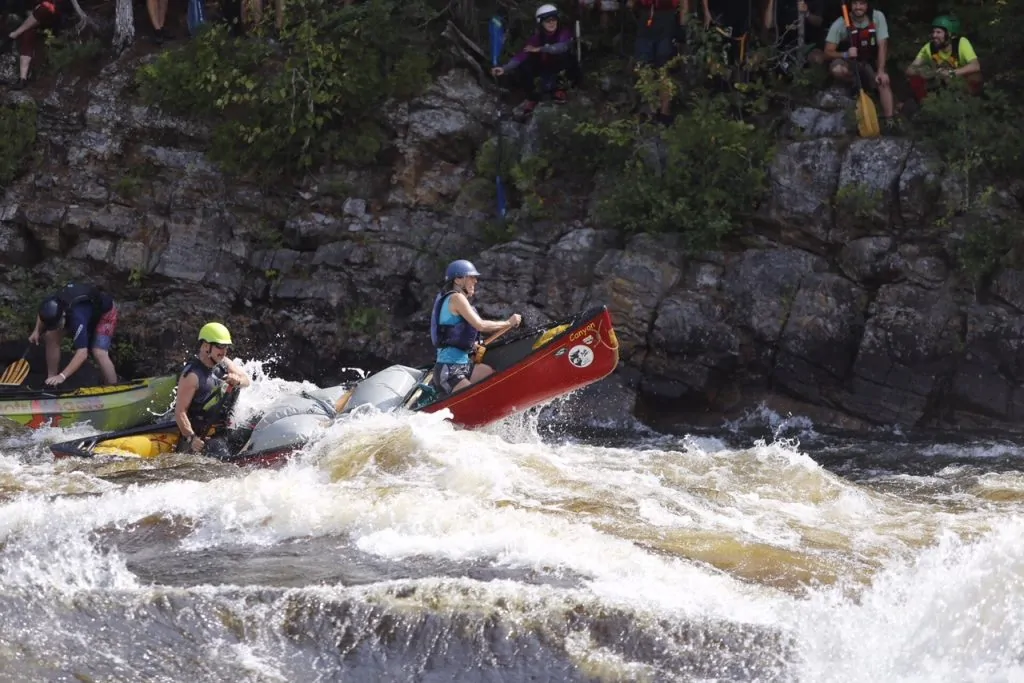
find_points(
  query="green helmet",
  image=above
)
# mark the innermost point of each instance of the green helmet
(215, 333)
(948, 23)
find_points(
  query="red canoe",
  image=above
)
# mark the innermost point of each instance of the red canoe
(584, 352)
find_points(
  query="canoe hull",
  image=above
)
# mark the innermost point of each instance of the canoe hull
(114, 407)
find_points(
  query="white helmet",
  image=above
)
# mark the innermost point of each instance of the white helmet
(545, 12)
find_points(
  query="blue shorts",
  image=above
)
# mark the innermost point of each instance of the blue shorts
(653, 51)
(447, 375)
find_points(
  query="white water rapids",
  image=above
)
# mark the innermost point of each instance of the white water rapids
(400, 548)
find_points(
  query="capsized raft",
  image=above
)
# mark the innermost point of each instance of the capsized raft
(531, 368)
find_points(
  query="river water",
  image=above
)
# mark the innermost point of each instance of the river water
(397, 548)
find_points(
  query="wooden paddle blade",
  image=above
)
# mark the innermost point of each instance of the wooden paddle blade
(15, 373)
(867, 116)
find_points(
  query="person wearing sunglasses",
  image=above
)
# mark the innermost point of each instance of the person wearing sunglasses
(207, 389)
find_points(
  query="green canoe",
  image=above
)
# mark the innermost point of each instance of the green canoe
(113, 407)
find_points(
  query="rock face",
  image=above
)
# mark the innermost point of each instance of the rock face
(850, 309)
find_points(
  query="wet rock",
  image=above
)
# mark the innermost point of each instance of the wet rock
(987, 385)
(15, 246)
(819, 341)
(571, 261)
(907, 352)
(804, 177)
(313, 230)
(868, 186)
(608, 404)
(816, 123)
(693, 348)
(919, 189)
(762, 285)
(870, 260)
(632, 285)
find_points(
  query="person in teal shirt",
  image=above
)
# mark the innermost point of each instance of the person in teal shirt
(455, 329)
(863, 46)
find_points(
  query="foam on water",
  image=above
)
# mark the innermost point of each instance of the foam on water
(868, 585)
(954, 612)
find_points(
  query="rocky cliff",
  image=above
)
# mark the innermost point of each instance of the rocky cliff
(839, 300)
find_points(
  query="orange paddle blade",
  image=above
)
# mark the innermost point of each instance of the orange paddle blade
(867, 116)
(15, 373)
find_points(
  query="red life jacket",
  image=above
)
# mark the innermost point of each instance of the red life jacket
(866, 41)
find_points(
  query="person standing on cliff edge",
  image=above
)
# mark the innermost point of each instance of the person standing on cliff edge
(45, 15)
(90, 315)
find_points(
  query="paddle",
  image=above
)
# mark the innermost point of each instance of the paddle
(579, 45)
(801, 18)
(16, 372)
(497, 44)
(196, 16)
(867, 116)
(481, 349)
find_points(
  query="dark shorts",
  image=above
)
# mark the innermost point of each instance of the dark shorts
(653, 51)
(105, 329)
(654, 44)
(447, 375)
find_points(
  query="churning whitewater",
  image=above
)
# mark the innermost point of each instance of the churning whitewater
(398, 548)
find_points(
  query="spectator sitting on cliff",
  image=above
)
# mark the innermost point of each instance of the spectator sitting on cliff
(548, 53)
(45, 15)
(659, 22)
(948, 54)
(866, 48)
(785, 16)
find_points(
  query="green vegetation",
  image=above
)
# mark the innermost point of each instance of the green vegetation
(364, 320)
(17, 139)
(311, 97)
(709, 171)
(67, 50)
(315, 94)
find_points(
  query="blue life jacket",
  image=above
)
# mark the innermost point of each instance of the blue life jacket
(461, 335)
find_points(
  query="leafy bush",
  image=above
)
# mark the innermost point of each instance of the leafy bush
(714, 171)
(570, 144)
(17, 138)
(65, 51)
(970, 133)
(311, 97)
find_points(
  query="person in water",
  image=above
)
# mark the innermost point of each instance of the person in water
(455, 329)
(207, 390)
(90, 315)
